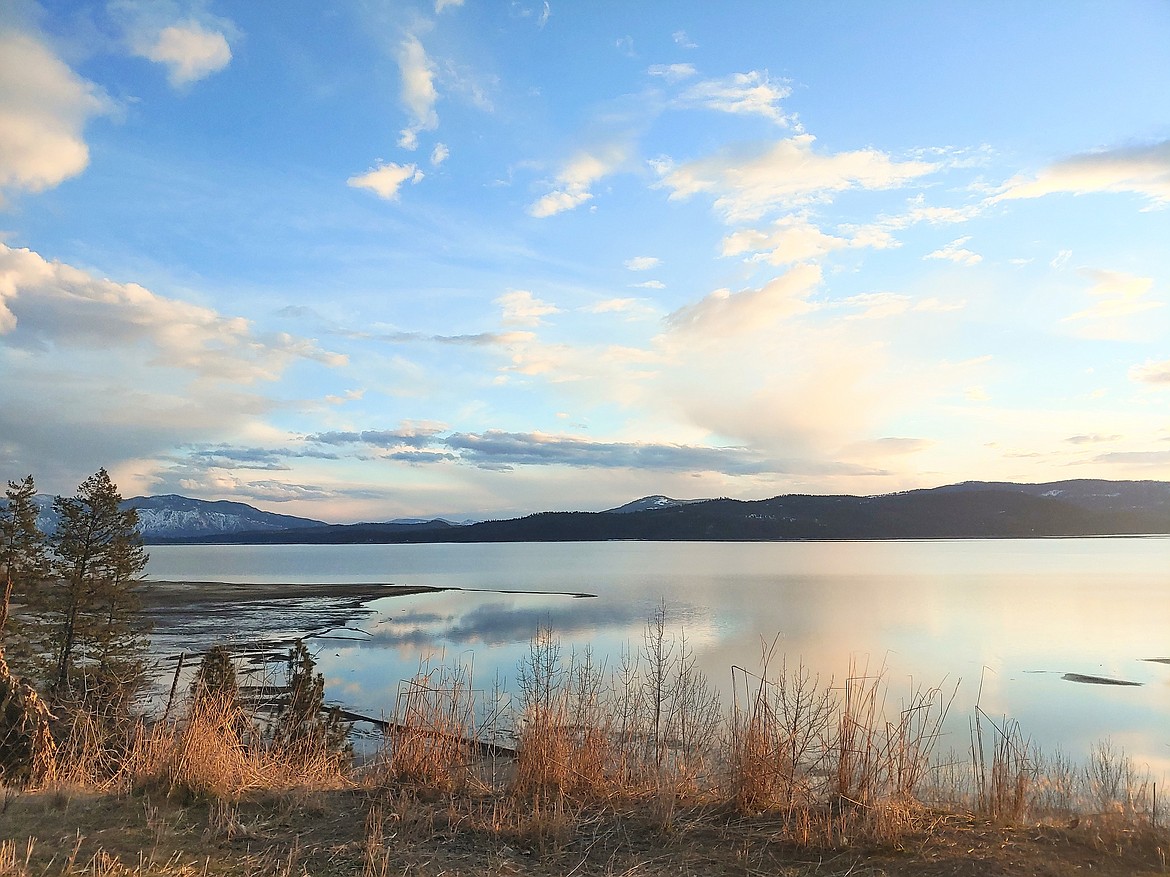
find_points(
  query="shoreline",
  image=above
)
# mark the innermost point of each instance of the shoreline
(156, 593)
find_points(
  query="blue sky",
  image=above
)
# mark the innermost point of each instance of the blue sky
(369, 260)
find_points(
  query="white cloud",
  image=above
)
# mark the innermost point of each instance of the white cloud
(613, 305)
(1117, 295)
(642, 263)
(386, 179)
(545, 12)
(649, 284)
(1151, 372)
(956, 252)
(439, 154)
(100, 372)
(1139, 170)
(786, 175)
(682, 40)
(575, 180)
(724, 313)
(189, 51)
(1060, 259)
(791, 239)
(741, 94)
(557, 202)
(878, 305)
(440, 5)
(976, 393)
(418, 92)
(522, 308)
(49, 303)
(673, 72)
(44, 107)
(920, 211)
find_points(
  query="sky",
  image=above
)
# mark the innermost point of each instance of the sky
(372, 260)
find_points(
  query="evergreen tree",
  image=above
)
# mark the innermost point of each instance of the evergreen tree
(24, 562)
(304, 726)
(216, 678)
(89, 617)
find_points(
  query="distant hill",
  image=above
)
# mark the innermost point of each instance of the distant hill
(179, 517)
(971, 510)
(649, 503)
(173, 516)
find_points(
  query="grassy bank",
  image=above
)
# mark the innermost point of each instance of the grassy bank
(632, 769)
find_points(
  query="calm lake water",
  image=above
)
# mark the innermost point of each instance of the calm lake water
(1005, 619)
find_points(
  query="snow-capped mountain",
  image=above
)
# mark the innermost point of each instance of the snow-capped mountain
(648, 503)
(173, 516)
(178, 516)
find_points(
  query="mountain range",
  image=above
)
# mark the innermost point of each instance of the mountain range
(971, 509)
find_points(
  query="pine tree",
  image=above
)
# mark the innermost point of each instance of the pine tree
(89, 616)
(304, 726)
(24, 562)
(216, 678)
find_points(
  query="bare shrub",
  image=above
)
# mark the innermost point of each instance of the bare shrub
(777, 749)
(1004, 768)
(433, 728)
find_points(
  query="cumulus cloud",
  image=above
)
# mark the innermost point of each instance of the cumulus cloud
(956, 252)
(417, 92)
(787, 175)
(642, 263)
(44, 107)
(386, 179)
(724, 312)
(1138, 170)
(750, 94)
(49, 305)
(522, 308)
(189, 51)
(439, 154)
(574, 181)
(791, 239)
(99, 372)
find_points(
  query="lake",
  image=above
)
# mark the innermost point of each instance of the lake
(1006, 619)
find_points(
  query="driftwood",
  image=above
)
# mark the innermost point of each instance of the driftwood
(479, 747)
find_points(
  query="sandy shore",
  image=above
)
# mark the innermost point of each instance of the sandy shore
(176, 593)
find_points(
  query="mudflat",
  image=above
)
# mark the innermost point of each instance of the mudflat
(173, 594)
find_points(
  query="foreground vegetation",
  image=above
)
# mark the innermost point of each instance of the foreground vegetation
(634, 771)
(585, 769)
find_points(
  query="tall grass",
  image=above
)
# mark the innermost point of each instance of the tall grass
(835, 762)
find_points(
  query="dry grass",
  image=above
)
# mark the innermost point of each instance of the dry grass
(632, 770)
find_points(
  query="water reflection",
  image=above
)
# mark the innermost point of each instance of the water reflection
(1009, 618)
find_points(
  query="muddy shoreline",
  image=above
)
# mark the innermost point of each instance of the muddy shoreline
(170, 594)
